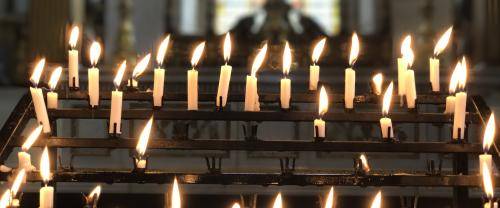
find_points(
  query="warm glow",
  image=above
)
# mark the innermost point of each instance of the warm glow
(377, 201)
(278, 203)
(95, 53)
(45, 165)
(329, 199)
(487, 181)
(227, 47)
(407, 52)
(364, 162)
(489, 133)
(162, 50)
(287, 59)
(54, 78)
(37, 72)
(387, 99)
(141, 66)
(236, 205)
(73, 37)
(198, 51)
(176, 195)
(443, 42)
(318, 49)
(323, 101)
(354, 49)
(454, 78)
(95, 193)
(17, 182)
(5, 200)
(144, 138)
(32, 138)
(462, 76)
(119, 74)
(259, 59)
(377, 80)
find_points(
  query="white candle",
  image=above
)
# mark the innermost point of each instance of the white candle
(450, 105)
(142, 144)
(192, 80)
(52, 99)
(46, 192)
(350, 74)
(24, 159)
(488, 140)
(159, 73)
(385, 122)
(52, 96)
(285, 83)
(450, 100)
(434, 62)
(37, 97)
(251, 93)
(403, 65)
(485, 159)
(93, 75)
(115, 116)
(73, 81)
(319, 124)
(314, 69)
(459, 115)
(141, 164)
(411, 89)
(319, 128)
(225, 75)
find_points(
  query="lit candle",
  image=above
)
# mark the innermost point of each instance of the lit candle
(319, 124)
(159, 73)
(16, 185)
(286, 88)
(411, 87)
(37, 97)
(115, 117)
(434, 61)
(93, 197)
(377, 201)
(450, 99)
(488, 184)
(386, 122)
(142, 145)
(350, 74)
(329, 199)
(139, 68)
(403, 67)
(73, 81)
(46, 192)
(225, 75)
(314, 69)
(488, 139)
(176, 195)
(251, 92)
(488, 205)
(24, 157)
(236, 205)
(5, 201)
(93, 74)
(460, 104)
(192, 84)
(364, 163)
(377, 81)
(52, 97)
(278, 202)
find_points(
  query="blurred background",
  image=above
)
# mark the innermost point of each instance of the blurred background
(129, 29)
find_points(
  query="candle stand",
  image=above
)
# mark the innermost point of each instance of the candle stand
(460, 179)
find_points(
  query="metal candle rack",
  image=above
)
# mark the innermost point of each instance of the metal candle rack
(459, 179)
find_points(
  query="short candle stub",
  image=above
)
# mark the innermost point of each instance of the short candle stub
(140, 163)
(132, 85)
(358, 167)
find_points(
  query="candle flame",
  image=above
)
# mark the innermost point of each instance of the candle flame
(377, 81)
(443, 42)
(353, 56)
(144, 138)
(377, 201)
(364, 162)
(489, 133)
(259, 59)
(95, 53)
(387, 99)
(37, 72)
(236, 205)
(6, 198)
(318, 49)
(54, 78)
(162, 50)
(141, 66)
(406, 51)
(119, 74)
(227, 47)
(278, 203)
(176, 196)
(198, 51)
(94, 194)
(32, 138)
(462, 81)
(323, 101)
(287, 59)
(487, 181)
(17, 182)
(73, 37)
(454, 78)
(329, 199)
(45, 165)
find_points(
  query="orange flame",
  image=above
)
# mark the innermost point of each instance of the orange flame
(407, 52)
(144, 138)
(162, 50)
(454, 78)
(318, 49)
(95, 193)
(32, 138)
(45, 165)
(95, 53)
(489, 133)
(278, 203)
(377, 80)
(259, 59)
(6, 198)
(353, 56)
(17, 182)
(119, 75)
(176, 195)
(387, 99)
(54, 78)
(37, 72)
(227, 47)
(236, 205)
(487, 181)
(287, 59)
(73, 37)
(443, 42)
(462, 80)
(141, 66)
(329, 199)
(377, 201)
(364, 162)
(323, 101)
(198, 51)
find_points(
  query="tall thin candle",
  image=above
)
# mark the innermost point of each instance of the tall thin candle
(159, 73)
(37, 97)
(73, 80)
(411, 87)
(93, 74)
(286, 83)
(314, 69)
(350, 74)
(251, 92)
(192, 83)
(225, 75)
(46, 192)
(434, 61)
(460, 104)
(115, 116)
